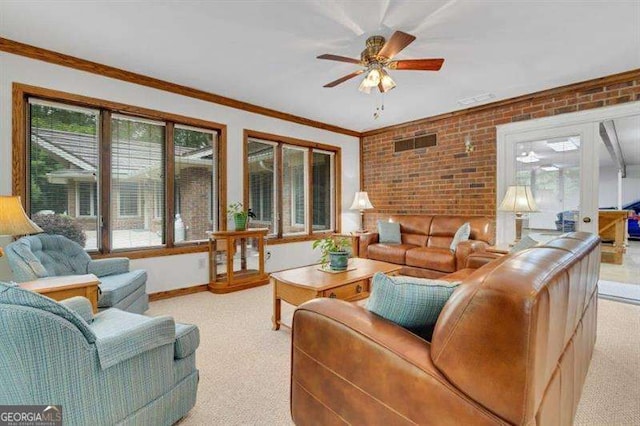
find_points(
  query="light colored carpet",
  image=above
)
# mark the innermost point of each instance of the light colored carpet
(244, 365)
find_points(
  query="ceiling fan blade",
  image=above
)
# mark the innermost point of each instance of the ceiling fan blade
(417, 64)
(339, 58)
(343, 79)
(395, 44)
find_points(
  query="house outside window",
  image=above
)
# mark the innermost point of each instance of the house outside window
(195, 153)
(86, 199)
(128, 201)
(67, 145)
(62, 146)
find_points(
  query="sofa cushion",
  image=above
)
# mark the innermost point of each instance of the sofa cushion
(389, 232)
(11, 294)
(408, 301)
(415, 239)
(116, 287)
(392, 253)
(438, 259)
(462, 234)
(187, 340)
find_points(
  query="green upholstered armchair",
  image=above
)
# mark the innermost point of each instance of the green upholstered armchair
(44, 255)
(112, 368)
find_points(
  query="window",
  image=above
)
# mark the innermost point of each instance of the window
(302, 192)
(86, 199)
(137, 177)
(128, 203)
(261, 164)
(323, 191)
(195, 152)
(63, 164)
(143, 157)
(294, 189)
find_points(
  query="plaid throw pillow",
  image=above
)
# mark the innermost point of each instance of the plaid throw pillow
(407, 301)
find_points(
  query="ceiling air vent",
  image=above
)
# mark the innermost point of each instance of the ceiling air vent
(416, 142)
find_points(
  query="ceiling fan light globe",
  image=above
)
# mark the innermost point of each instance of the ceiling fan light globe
(373, 78)
(387, 83)
(364, 87)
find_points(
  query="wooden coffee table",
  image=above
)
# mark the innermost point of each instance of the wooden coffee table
(299, 285)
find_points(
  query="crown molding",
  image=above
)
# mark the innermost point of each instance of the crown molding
(601, 81)
(33, 52)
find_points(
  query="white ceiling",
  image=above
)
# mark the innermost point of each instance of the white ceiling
(628, 131)
(263, 52)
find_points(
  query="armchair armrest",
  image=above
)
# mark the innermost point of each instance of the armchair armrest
(122, 335)
(373, 372)
(364, 241)
(111, 266)
(81, 306)
(465, 248)
(480, 258)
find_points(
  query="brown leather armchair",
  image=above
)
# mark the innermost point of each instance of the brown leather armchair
(511, 346)
(426, 239)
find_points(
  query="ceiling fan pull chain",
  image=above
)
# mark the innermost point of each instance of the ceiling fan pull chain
(379, 109)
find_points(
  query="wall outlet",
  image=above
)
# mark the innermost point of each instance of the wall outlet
(202, 263)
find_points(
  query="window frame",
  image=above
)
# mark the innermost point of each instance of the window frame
(283, 141)
(21, 163)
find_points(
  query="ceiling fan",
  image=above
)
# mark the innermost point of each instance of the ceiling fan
(376, 59)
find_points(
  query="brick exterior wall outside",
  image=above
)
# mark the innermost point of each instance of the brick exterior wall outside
(446, 180)
(195, 189)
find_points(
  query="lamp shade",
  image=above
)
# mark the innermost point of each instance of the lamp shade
(518, 199)
(361, 202)
(13, 219)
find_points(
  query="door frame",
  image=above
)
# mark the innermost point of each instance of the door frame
(586, 123)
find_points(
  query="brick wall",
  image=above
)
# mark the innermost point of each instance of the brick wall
(195, 190)
(446, 180)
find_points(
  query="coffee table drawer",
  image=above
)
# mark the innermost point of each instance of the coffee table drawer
(354, 290)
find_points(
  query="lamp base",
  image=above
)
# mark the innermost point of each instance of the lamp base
(519, 221)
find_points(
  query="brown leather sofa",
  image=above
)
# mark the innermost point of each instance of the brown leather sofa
(425, 251)
(512, 346)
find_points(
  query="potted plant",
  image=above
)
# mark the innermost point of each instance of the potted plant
(334, 252)
(240, 216)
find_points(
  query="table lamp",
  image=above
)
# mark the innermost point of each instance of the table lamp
(518, 200)
(13, 219)
(361, 202)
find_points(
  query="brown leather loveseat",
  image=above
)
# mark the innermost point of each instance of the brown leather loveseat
(511, 346)
(426, 239)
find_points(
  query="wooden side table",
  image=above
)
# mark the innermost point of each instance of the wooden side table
(60, 288)
(354, 241)
(240, 277)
